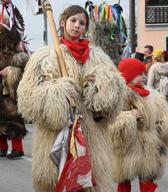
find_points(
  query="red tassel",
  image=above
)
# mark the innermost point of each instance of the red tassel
(124, 187)
(147, 186)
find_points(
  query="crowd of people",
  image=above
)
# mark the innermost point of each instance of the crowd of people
(123, 111)
(156, 63)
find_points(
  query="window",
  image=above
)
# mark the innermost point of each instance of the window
(157, 2)
(166, 43)
(156, 12)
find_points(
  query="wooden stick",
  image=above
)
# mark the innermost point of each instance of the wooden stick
(48, 9)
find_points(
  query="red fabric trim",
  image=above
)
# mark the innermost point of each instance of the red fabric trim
(140, 90)
(79, 50)
(75, 167)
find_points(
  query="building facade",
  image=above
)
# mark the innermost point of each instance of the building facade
(152, 24)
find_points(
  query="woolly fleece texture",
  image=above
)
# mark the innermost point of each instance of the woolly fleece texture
(43, 97)
(139, 147)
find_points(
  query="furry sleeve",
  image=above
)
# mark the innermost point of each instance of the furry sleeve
(151, 77)
(105, 94)
(19, 60)
(123, 132)
(42, 94)
(162, 123)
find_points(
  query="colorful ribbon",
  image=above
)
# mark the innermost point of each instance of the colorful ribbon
(9, 9)
(110, 13)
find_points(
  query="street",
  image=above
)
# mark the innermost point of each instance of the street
(16, 174)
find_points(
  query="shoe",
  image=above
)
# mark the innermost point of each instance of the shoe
(15, 154)
(147, 186)
(3, 153)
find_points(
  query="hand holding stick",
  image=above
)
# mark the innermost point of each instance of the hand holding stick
(48, 10)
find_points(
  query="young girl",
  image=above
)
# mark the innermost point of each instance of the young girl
(43, 96)
(140, 133)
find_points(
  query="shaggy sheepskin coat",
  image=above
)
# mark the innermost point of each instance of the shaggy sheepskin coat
(139, 146)
(156, 71)
(13, 61)
(43, 97)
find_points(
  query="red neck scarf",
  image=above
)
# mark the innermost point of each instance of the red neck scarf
(79, 50)
(140, 90)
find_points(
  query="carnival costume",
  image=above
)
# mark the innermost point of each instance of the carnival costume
(12, 63)
(43, 96)
(108, 28)
(139, 145)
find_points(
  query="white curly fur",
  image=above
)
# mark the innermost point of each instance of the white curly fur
(43, 97)
(138, 148)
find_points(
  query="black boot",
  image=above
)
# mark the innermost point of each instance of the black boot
(3, 153)
(15, 154)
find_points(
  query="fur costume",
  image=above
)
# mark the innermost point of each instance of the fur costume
(157, 70)
(140, 146)
(43, 97)
(108, 33)
(11, 124)
(101, 34)
(12, 62)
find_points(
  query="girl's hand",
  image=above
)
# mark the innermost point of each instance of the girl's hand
(136, 113)
(72, 93)
(91, 78)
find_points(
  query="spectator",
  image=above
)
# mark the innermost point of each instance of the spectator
(156, 70)
(148, 50)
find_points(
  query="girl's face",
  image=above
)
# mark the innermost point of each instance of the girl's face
(138, 80)
(74, 27)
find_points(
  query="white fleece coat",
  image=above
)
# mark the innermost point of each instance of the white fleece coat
(155, 72)
(140, 146)
(43, 97)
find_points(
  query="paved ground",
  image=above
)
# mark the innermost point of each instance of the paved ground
(15, 175)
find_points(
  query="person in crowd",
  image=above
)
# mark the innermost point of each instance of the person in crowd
(158, 73)
(157, 69)
(148, 50)
(140, 133)
(44, 97)
(12, 63)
